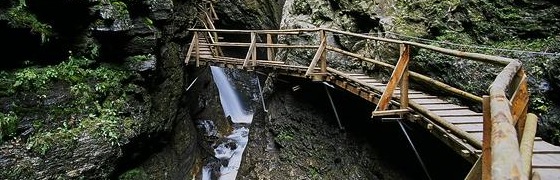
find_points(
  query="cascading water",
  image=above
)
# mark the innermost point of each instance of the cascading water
(229, 151)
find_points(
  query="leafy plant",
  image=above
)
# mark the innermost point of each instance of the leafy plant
(8, 125)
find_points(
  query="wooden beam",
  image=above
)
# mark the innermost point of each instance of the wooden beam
(486, 139)
(197, 50)
(476, 171)
(317, 56)
(390, 112)
(261, 45)
(527, 142)
(404, 89)
(213, 11)
(252, 48)
(191, 47)
(473, 56)
(323, 55)
(269, 50)
(281, 31)
(398, 72)
(519, 103)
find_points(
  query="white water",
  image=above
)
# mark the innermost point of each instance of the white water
(231, 149)
(230, 100)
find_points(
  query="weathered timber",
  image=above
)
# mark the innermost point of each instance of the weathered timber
(398, 72)
(317, 56)
(527, 142)
(473, 56)
(486, 140)
(250, 52)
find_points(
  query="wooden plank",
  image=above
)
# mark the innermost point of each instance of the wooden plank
(459, 112)
(464, 119)
(440, 107)
(477, 135)
(368, 80)
(547, 173)
(540, 160)
(422, 96)
(401, 67)
(429, 101)
(519, 103)
(543, 145)
(390, 112)
(471, 127)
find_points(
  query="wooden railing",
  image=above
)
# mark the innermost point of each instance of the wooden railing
(506, 123)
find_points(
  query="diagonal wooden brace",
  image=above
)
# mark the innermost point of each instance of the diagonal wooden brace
(319, 55)
(398, 72)
(251, 54)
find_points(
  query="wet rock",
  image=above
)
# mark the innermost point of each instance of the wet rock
(141, 63)
(248, 14)
(160, 9)
(113, 16)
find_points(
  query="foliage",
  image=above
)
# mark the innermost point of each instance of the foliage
(97, 106)
(134, 174)
(8, 125)
(20, 17)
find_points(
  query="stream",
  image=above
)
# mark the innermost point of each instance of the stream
(229, 149)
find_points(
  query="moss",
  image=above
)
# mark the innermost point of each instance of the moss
(301, 7)
(20, 17)
(134, 174)
(98, 102)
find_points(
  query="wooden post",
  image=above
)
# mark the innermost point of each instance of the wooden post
(323, 55)
(486, 139)
(191, 47)
(213, 11)
(519, 102)
(270, 50)
(197, 49)
(251, 52)
(317, 56)
(396, 77)
(404, 89)
(254, 43)
(527, 142)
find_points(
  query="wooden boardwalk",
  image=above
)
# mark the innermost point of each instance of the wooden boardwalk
(460, 128)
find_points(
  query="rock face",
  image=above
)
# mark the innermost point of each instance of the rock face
(299, 138)
(248, 14)
(117, 99)
(495, 25)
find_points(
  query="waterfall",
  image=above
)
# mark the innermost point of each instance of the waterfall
(231, 149)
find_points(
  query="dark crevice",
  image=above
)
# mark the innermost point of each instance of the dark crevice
(386, 138)
(139, 149)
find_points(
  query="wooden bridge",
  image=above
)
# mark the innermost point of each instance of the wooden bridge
(500, 141)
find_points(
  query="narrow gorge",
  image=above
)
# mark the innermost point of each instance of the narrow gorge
(98, 89)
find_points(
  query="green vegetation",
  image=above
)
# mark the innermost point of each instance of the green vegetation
(19, 16)
(8, 125)
(499, 24)
(134, 174)
(97, 104)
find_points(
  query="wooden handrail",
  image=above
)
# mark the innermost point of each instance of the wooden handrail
(506, 107)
